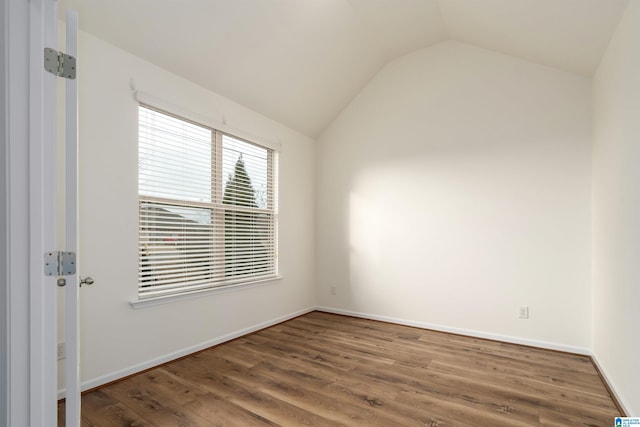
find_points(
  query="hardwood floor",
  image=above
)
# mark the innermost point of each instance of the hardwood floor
(325, 370)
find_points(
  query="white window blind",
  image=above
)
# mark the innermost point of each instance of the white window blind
(207, 208)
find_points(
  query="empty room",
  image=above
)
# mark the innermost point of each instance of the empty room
(322, 212)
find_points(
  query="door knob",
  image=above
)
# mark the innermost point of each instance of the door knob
(86, 281)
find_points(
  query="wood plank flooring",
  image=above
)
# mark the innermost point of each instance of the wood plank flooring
(322, 369)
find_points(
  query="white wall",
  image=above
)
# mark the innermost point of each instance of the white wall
(616, 211)
(117, 339)
(455, 188)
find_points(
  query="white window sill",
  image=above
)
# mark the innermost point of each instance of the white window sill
(150, 302)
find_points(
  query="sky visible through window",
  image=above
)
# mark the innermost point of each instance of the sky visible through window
(175, 161)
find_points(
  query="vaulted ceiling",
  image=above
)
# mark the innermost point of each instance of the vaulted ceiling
(300, 62)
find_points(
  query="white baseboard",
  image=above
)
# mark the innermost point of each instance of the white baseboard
(624, 405)
(460, 331)
(105, 379)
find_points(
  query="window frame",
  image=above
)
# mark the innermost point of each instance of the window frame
(218, 211)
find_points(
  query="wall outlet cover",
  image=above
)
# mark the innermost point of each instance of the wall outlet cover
(523, 312)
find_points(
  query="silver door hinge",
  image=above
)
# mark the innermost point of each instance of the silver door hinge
(59, 263)
(59, 63)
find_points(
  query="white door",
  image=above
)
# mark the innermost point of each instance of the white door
(54, 63)
(72, 319)
(30, 177)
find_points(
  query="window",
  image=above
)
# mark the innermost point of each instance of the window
(207, 208)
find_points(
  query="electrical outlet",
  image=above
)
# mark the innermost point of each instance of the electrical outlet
(333, 290)
(523, 312)
(62, 350)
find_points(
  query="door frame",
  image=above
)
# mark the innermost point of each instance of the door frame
(28, 361)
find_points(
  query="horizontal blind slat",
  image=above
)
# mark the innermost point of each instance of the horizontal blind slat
(207, 207)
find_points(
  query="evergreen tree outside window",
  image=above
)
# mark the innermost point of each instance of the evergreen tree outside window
(207, 208)
(246, 227)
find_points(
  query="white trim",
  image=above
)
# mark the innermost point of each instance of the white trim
(114, 376)
(4, 254)
(460, 331)
(42, 192)
(105, 379)
(625, 406)
(150, 302)
(206, 120)
(31, 363)
(17, 209)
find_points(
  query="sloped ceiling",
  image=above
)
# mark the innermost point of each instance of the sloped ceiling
(300, 62)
